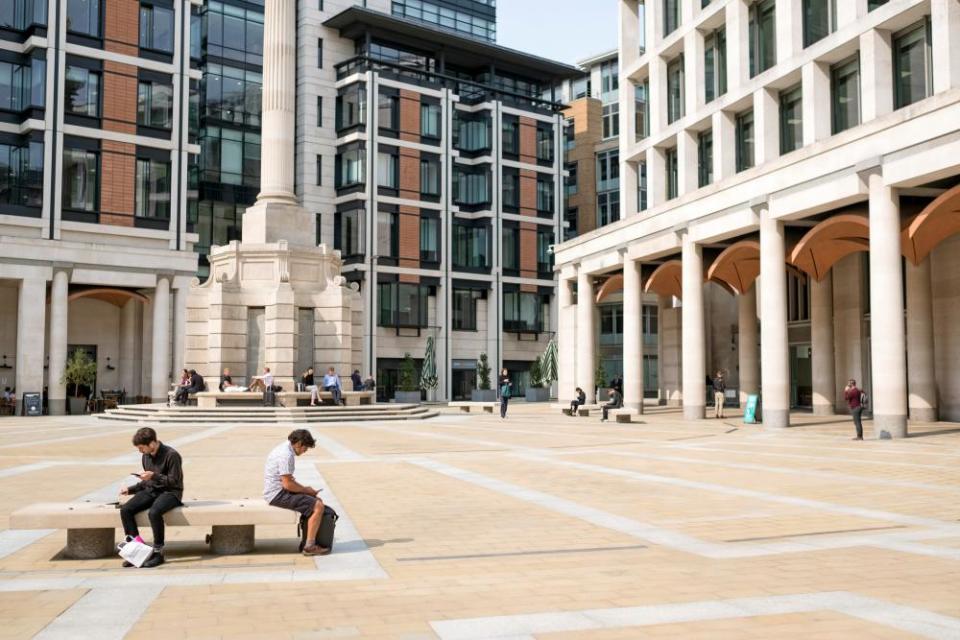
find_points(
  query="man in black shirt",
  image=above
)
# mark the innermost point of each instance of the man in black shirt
(160, 489)
(196, 384)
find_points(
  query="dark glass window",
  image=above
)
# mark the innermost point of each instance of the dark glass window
(845, 94)
(545, 253)
(153, 189)
(912, 67)
(511, 188)
(230, 156)
(673, 183)
(705, 158)
(511, 135)
(470, 246)
(522, 312)
(570, 182)
(155, 105)
(465, 309)
(81, 180)
(22, 85)
(610, 119)
(510, 248)
(450, 16)
(430, 176)
(388, 234)
(545, 142)
(351, 167)
(608, 170)
(82, 92)
(403, 304)
(430, 120)
(156, 28)
(544, 193)
(234, 33)
(83, 17)
(351, 106)
(873, 4)
(232, 95)
(641, 97)
(676, 92)
(471, 186)
(791, 119)
(715, 65)
(388, 111)
(320, 53)
(388, 169)
(763, 36)
(430, 239)
(744, 140)
(819, 20)
(20, 15)
(349, 232)
(471, 131)
(21, 174)
(608, 208)
(671, 16)
(642, 186)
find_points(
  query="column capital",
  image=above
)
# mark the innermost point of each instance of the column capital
(760, 203)
(869, 167)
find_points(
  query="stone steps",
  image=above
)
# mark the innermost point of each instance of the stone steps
(155, 414)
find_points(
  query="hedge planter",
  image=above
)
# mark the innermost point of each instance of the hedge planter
(483, 395)
(406, 397)
(538, 395)
(77, 405)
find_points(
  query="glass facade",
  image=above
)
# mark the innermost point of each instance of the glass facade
(22, 85)
(21, 175)
(474, 18)
(819, 20)
(676, 92)
(81, 180)
(153, 189)
(715, 65)
(704, 158)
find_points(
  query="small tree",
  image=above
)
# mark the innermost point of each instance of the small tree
(80, 370)
(408, 374)
(599, 377)
(483, 372)
(536, 374)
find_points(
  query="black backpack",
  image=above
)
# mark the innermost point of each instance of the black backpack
(324, 533)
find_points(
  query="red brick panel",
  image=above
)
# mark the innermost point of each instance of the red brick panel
(528, 250)
(411, 278)
(528, 140)
(119, 97)
(528, 192)
(409, 237)
(117, 180)
(409, 173)
(121, 27)
(409, 115)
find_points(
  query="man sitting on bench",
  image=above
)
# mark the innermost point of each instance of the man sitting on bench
(331, 383)
(616, 402)
(160, 489)
(262, 383)
(280, 489)
(196, 384)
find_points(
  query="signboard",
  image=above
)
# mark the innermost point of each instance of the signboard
(750, 411)
(32, 404)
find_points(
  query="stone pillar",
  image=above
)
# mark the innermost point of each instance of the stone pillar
(31, 321)
(129, 346)
(279, 102)
(566, 342)
(669, 358)
(632, 336)
(921, 379)
(180, 331)
(57, 390)
(887, 331)
(945, 33)
(774, 345)
(816, 93)
(821, 339)
(749, 357)
(160, 360)
(766, 125)
(586, 335)
(876, 74)
(694, 338)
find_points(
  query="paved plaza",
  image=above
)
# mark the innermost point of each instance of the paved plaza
(539, 526)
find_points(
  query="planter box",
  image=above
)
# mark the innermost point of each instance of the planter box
(538, 395)
(483, 395)
(603, 394)
(77, 405)
(406, 397)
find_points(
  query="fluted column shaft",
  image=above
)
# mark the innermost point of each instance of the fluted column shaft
(586, 336)
(279, 102)
(694, 336)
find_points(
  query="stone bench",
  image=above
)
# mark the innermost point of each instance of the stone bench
(625, 416)
(466, 407)
(213, 399)
(91, 526)
(352, 398)
(582, 410)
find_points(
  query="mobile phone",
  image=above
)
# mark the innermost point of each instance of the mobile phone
(136, 473)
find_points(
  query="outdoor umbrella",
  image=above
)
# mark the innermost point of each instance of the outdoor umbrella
(428, 372)
(548, 363)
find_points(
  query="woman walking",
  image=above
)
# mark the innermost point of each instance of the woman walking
(506, 389)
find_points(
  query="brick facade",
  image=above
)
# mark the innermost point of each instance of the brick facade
(117, 183)
(119, 97)
(528, 140)
(409, 115)
(587, 114)
(121, 28)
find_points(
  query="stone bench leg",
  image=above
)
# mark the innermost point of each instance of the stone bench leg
(352, 401)
(206, 402)
(232, 540)
(88, 544)
(365, 400)
(567, 412)
(584, 413)
(464, 409)
(624, 417)
(488, 409)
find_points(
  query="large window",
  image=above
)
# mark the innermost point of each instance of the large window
(545, 143)
(912, 68)
(609, 81)
(81, 180)
(388, 169)
(845, 94)
(234, 33)
(611, 120)
(873, 4)
(611, 324)
(388, 234)
(230, 156)
(471, 186)
(641, 186)
(744, 140)
(22, 86)
(608, 170)
(819, 20)
(608, 208)
(673, 182)
(465, 309)
(471, 131)
(676, 93)
(83, 17)
(21, 174)
(570, 185)
(429, 175)
(791, 119)
(705, 158)
(671, 16)
(511, 189)
(82, 92)
(155, 105)
(446, 16)
(471, 246)
(156, 28)
(20, 15)
(510, 247)
(544, 253)
(511, 135)
(350, 167)
(522, 312)
(403, 304)
(430, 120)
(429, 239)
(153, 189)
(388, 110)
(544, 193)
(349, 232)
(351, 106)
(715, 64)
(232, 95)
(763, 36)
(641, 98)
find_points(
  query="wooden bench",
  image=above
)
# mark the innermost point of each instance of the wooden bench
(91, 526)
(352, 398)
(466, 407)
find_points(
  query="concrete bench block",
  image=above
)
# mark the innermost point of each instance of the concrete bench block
(89, 544)
(232, 540)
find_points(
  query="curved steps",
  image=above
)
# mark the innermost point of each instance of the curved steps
(163, 414)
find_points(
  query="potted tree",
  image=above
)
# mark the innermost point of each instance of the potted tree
(408, 391)
(600, 383)
(484, 393)
(535, 390)
(80, 371)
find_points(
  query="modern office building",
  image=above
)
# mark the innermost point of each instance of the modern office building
(95, 247)
(800, 157)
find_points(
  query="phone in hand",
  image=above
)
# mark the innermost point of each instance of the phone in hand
(136, 473)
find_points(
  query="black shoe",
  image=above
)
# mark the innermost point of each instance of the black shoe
(127, 564)
(154, 560)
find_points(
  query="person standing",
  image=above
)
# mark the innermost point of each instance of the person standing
(854, 398)
(506, 390)
(719, 394)
(160, 489)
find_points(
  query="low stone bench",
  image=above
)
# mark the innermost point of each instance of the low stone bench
(213, 399)
(91, 527)
(583, 410)
(467, 407)
(352, 398)
(625, 416)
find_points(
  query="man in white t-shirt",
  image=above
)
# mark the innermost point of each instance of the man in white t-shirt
(280, 489)
(262, 383)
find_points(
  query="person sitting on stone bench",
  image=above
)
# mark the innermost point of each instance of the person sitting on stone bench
(280, 488)
(196, 384)
(331, 383)
(262, 383)
(578, 402)
(616, 402)
(160, 489)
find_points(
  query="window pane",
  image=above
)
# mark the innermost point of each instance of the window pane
(845, 80)
(791, 120)
(818, 20)
(911, 67)
(745, 148)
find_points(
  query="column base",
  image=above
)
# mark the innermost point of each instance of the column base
(57, 407)
(694, 412)
(823, 410)
(924, 414)
(671, 403)
(776, 418)
(886, 427)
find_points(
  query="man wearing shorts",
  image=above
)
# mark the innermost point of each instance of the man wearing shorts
(280, 489)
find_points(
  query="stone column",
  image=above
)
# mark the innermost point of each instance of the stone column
(586, 335)
(160, 360)
(694, 338)
(669, 359)
(749, 357)
(887, 331)
(774, 345)
(566, 342)
(129, 346)
(180, 331)
(632, 336)
(821, 339)
(921, 379)
(56, 390)
(279, 102)
(31, 321)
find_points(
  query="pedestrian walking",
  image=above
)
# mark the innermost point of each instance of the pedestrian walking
(506, 390)
(719, 394)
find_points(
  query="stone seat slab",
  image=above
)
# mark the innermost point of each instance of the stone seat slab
(466, 407)
(352, 398)
(624, 415)
(583, 410)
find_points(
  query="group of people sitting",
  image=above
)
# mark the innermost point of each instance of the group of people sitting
(331, 384)
(192, 382)
(614, 399)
